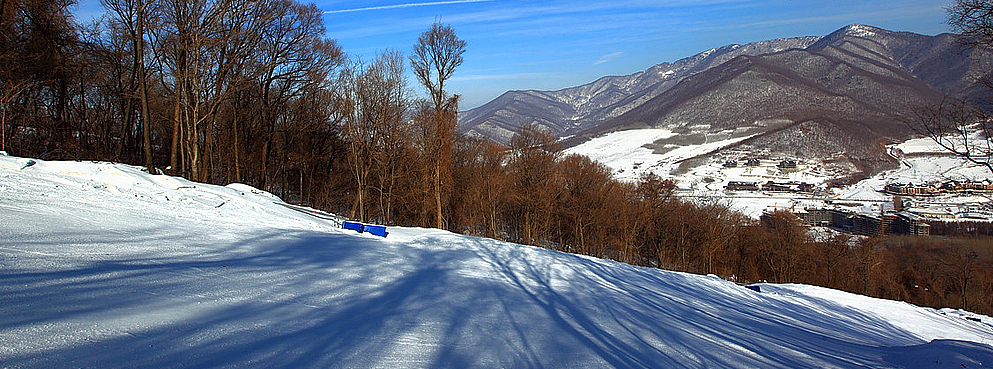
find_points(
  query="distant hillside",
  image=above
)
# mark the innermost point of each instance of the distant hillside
(806, 97)
(583, 107)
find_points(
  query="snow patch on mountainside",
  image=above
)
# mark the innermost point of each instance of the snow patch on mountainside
(628, 152)
(624, 149)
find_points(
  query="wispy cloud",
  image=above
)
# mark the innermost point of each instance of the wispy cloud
(408, 5)
(488, 77)
(608, 57)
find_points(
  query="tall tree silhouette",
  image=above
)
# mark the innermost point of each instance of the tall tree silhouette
(436, 55)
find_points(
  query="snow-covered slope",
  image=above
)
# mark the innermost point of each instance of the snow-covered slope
(629, 153)
(102, 265)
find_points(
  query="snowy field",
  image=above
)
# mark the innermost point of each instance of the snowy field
(104, 266)
(626, 154)
(921, 161)
(625, 151)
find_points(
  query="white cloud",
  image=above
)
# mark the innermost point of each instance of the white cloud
(408, 5)
(608, 57)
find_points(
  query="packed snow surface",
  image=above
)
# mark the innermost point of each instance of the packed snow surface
(102, 265)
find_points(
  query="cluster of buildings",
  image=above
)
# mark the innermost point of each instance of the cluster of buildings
(886, 222)
(914, 210)
(770, 186)
(748, 163)
(911, 189)
(785, 165)
(913, 221)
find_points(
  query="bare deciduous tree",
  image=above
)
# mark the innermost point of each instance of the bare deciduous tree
(586, 185)
(973, 19)
(377, 130)
(436, 55)
(132, 15)
(533, 155)
(9, 90)
(964, 129)
(960, 128)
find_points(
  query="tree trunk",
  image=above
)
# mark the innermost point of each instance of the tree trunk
(174, 154)
(146, 122)
(237, 160)
(3, 129)
(437, 192)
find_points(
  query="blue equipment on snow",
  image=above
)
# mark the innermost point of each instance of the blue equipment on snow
(355, 226)
(377, 230)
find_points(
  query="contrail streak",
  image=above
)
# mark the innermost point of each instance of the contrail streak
(410, 5)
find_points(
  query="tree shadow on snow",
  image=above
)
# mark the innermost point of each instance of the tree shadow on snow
(308, 299)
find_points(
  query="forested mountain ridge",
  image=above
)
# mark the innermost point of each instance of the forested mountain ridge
(841, 93)
(582, 107)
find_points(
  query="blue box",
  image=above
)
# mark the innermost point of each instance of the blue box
(355, 226)
(376, 230)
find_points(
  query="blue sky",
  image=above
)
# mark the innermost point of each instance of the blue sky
(547, 45)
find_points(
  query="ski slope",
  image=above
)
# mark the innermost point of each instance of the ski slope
(102, 265)
(626, 151)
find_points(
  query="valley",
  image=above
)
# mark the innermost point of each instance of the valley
(799, 123)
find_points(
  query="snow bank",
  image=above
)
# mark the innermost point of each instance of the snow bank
(102, 265)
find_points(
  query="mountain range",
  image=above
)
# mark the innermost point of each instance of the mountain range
(843, 94)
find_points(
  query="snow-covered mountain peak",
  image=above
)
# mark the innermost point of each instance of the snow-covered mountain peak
(861, 30)
(574, 109)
